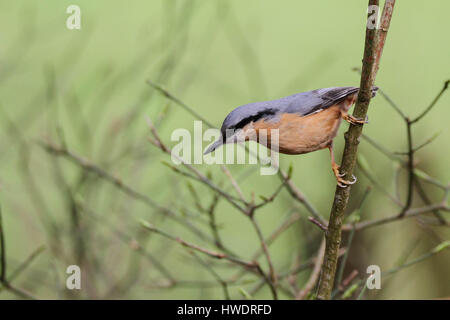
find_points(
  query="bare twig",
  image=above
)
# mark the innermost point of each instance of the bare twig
(129, 241)
(233, 182)
(412, 150)
(317, 223)
(408, 214)
(410, 169)
(86, 165)
(24, 265)
(248, 210)
(314, 274)
(427, 201)
(442, 246)
(218, 278)
(213, 254)
(3, 250)
(170, 96)
(273, 275)
(291, 219)
(432, 104)
(300, 197)
(213, 224)
(254, 266)
(3, 280)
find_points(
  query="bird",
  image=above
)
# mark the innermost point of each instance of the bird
(306, 122)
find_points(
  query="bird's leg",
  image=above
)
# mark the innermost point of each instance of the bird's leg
(351, 119)
(335, 167)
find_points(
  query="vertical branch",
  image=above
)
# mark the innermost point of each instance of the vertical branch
(273, 275)
(2, 251)
(385, 22)
(213, 224)
(410, 164)
(3, 281)
(372, 56)
(411, 151)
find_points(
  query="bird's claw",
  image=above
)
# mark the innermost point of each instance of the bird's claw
(351, 119)
(342, 182)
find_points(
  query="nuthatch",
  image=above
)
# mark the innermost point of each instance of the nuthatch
(307, 121)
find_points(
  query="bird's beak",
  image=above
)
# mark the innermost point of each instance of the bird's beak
(213, 146)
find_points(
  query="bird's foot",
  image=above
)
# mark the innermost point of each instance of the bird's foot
(339, 178)
(351, 119)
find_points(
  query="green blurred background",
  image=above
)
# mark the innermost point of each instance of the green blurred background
(87, 88)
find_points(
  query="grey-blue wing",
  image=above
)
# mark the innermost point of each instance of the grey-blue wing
(303, 103)
(312, 101)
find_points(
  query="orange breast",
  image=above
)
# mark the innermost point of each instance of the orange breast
(299, 134)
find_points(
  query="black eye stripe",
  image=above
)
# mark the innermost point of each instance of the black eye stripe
(254, 118)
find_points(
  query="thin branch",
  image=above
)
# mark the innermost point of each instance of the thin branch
(442, 246)
(3, 280)
(392, 103)
(219, 280)
(305, 265)
(317, 223)
(380, 187)
(273, 275)
(254, 266)
(349, 279)
(314, 274)
(253, 207)
(385, 22)
(212, 254)
(411, 150)
(354, 216)
(427, 201)
(171, 97)
(2, 250)
(290, 220)
(300, 197)
(233, 182)
(409, 196)
(24, 265)
(88, 166)
(426, 142)
(343, 263)
(432, 104)
(213, 223)
(408, 214)
(129, 241)
(391, 155)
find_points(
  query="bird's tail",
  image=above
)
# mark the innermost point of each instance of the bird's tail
(214, 146)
